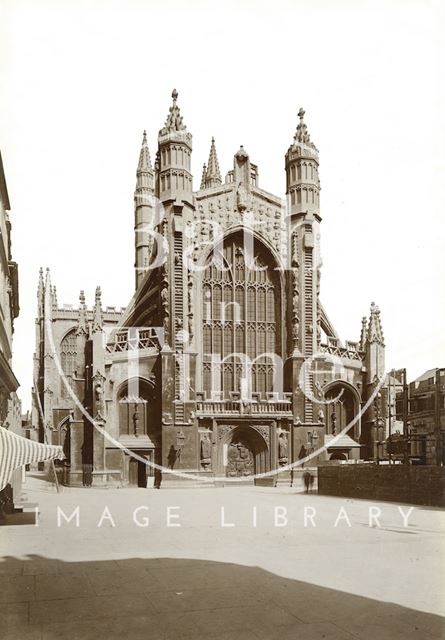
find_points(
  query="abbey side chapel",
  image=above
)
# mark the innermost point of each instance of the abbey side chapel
(228, 329)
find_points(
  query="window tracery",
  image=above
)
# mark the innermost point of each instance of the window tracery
(244, 319)
(68, 360)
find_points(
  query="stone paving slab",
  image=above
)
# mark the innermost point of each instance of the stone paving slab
(233, 583)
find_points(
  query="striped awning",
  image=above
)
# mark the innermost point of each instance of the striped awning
(16, 451)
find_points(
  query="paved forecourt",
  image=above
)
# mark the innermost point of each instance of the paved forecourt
(226, 563)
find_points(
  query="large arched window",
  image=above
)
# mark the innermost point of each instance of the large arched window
(68, 360)
(241, 316)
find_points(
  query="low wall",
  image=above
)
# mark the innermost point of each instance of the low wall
(395, 483)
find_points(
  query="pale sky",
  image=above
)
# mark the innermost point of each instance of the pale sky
(81, 80)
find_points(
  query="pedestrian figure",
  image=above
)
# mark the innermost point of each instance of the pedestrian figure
(308, 480)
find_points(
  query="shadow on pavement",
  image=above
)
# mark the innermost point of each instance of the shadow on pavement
(169, 599)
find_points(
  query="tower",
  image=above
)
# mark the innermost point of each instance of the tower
(143, 210)
(374, 361)
(374, 346)
(174, 179)
(174, 189)
(302, 189)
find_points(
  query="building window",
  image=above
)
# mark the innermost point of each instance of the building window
(245, 318)
(68, 360)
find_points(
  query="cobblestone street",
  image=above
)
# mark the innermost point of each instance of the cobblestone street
(225, 564)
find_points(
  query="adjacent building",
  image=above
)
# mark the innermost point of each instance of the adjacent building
(10, 408)
(225, 363)
(426, 418)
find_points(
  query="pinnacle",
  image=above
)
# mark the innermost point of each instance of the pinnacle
(302, 134)
(203, 179)
(174, 121)
(82, 327)
(98, 319)
(375, 333)
(213, 174)
(144, 156)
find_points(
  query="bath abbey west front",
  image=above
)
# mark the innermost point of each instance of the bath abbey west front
(224, 364)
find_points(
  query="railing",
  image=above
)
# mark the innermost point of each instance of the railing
(243, 407)
(143, 339)
(351, 352)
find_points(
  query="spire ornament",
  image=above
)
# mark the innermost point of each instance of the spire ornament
(82, 327)
(302, 134)
(375, 333)
(54, 297)
(204, 174)
(48, 302)
(97, 313)
(363, 333)
(144, 163)
(40, 294)
(213, 175)
(174, 121)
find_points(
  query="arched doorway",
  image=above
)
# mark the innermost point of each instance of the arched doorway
(139, 430)
(343, 407)
(245, 453)
(337, 455)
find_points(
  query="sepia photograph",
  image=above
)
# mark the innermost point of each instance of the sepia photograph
(222, 313)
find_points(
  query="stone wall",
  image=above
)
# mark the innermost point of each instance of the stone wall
(396, 483)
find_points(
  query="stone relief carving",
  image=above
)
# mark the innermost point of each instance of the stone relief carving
(190, 305)
(226, 213)
(165, 303)
(264, 431)
(224, 429)
(295, 291)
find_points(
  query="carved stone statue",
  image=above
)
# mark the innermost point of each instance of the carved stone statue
(282, 449)
(242, 197)
(164, 298)
(99, 395)
(136, 421)
(295, 331)
(206, 451)
(321, 416)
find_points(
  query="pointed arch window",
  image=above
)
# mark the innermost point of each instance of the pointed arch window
(245, 305)
(68, 360)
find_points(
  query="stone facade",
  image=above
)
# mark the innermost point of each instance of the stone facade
(63, 362)
(10, 408)
(228, 328)
(426, 411)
